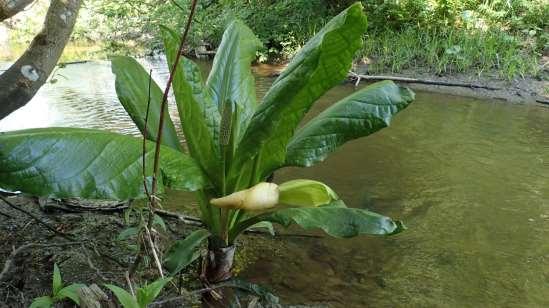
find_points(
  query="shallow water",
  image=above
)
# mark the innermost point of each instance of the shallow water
(469, 178)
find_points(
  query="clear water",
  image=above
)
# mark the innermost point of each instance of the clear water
(469, 178)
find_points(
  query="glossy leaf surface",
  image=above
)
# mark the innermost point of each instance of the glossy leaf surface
(337, 221)
(87, 163)
(199, 114)
(321, 64)
(132, 88)
(231, 79)
(185, 251)
(306, 193)
(357, 115)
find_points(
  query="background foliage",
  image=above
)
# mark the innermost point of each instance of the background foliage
(444, 36)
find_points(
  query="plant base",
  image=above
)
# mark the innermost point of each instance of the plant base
(217, 267)
(218, 264)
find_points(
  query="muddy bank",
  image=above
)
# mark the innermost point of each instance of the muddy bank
(87, 247)
(523, 90)
(84, 245)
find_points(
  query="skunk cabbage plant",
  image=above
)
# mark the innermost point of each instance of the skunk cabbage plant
(233, 142)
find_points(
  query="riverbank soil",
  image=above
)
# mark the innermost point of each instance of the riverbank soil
(519, 90)
(87, 246)
(84, 246)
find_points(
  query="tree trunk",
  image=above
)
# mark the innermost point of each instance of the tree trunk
(23, 79)
(8, 8)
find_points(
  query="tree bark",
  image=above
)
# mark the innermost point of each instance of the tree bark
(23, 79)
(8, 8)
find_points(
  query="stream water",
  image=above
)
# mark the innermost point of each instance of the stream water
(469, 178)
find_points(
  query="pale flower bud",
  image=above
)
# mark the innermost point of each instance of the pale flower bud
(260, 197)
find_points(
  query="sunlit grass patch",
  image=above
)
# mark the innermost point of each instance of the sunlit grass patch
(451, 51)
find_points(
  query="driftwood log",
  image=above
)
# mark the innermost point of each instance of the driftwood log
(359, 77)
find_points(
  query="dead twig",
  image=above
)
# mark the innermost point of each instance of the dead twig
(163, 104)
(129, 282)
(152, 246)
(156, 163)
(74, 208)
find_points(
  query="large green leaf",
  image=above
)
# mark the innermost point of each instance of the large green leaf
(86, 163)
(185, 251)
(357, 115)
(231, 79)
(132, 88)
(198, 113)
(322, 63)
(337, 221)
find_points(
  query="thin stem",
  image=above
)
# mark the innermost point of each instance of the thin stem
(145, 186)
(153, 250)
(163, 105)
(156, 163)
(152, 197)
(129, 282)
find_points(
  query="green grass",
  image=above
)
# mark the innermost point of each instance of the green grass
(451, 51)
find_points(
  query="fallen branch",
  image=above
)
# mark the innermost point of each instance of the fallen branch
(542, 101)
(120, 207)
(61, 64)
(359, 77)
